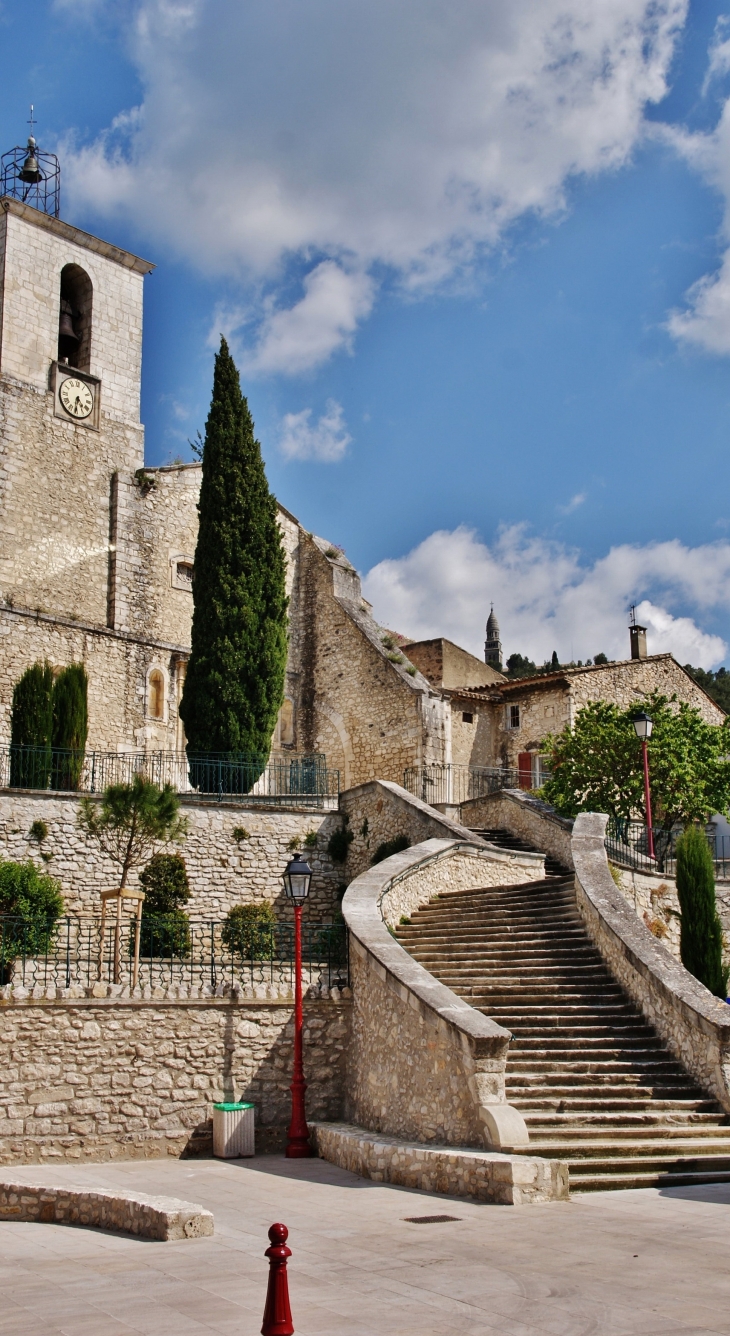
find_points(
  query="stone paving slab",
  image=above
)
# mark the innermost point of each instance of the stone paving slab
(638, 1263)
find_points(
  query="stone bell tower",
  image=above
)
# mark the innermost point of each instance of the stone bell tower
(492, 644)
(70, 371)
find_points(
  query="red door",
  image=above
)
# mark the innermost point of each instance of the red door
(524, 767)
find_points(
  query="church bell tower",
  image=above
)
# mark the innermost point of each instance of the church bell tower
(70, 373)
(492, 644)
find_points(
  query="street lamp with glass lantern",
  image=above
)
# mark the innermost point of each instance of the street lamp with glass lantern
(297, 880)
(643, 726)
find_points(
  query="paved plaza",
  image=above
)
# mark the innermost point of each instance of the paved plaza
(618, 1262)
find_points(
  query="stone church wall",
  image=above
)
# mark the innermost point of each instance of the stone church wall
(223, 871)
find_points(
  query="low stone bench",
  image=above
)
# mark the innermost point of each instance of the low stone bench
(160, 1218)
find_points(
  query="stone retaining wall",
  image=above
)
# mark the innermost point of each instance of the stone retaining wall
(103, 1079)
(222, 870)
(160, 1218)
(424, 1065)
(524, 816)
(694, 1024)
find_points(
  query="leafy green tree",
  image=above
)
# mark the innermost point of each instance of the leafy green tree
(701, 930)
(600, 658)
(249, 931)
(131, 819)
(597, 766)
(30, 905)
(31, 723)
(165, 925)
(234, 685)
(70, 725)
(717, 685)
(518, 666)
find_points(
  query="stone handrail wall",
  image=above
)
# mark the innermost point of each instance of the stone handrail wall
(381, 810)
(524, 816)
(694, 1024)
(424, 1064)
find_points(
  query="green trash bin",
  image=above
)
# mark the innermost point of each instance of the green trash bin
(233, 1131)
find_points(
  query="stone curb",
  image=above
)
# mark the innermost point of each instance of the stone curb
(488, 1176)
(161, 1218)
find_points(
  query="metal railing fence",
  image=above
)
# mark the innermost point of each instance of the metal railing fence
(459, 783)
(219, 777)
(627, 844)
(69, 951)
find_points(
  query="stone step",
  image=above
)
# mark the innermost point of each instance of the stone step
(643, 1106)
(616, 1182)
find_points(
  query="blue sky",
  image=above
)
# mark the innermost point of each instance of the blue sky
(456, 254)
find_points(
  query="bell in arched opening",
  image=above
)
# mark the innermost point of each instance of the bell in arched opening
(68, 339)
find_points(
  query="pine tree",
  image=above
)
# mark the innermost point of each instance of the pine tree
(701, 934)
(30, 728)
(70, 726)
(235, 680)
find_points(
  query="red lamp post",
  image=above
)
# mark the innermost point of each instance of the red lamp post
(643, 726)
(297, 880)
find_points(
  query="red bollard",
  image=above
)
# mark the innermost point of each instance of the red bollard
(277, 1313)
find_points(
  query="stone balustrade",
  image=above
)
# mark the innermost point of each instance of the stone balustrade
(161, 1218)
(423, 1064)
(694, 1024)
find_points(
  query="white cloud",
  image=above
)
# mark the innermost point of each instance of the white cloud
(303, 336)
(573, 503)
(546, 599)
(326, 440)
(370, 135)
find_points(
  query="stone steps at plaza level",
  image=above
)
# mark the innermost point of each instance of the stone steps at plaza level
(595, 1084)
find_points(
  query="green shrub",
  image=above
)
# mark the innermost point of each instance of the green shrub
(389, 847)
(250, 931)
(338, 844)
(38, 831)
(330, 943)
(30, 903)
(31, 723)
(701, 931)
(70, 726)
(165, 926)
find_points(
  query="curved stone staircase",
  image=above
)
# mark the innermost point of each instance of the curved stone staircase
(595, 1084)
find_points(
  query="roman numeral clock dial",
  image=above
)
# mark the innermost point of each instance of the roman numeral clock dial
(76, 398)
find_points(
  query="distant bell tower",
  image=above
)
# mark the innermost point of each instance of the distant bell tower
(492, 644)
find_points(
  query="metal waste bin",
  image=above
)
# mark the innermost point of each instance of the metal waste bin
(233, 1134)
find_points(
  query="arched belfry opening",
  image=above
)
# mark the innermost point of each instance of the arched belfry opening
(74, 317)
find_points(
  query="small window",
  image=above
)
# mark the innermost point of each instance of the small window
(514, 716)
(286, 723)
(185, 574)
(74, 317)
(467, 718)
(156, 695)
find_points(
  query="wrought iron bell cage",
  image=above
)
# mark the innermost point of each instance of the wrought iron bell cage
(43, 191)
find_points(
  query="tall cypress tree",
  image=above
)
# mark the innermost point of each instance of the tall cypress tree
(70, 726)
(30, 728)
(701, 931)
(235, 680)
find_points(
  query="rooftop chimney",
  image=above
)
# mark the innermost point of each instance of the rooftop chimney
(638, 637)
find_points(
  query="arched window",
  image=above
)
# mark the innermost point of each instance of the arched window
(156, 694)
(74, 317)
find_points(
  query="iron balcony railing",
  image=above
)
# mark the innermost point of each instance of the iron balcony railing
(69, 951)
(458, 783)
(627, 844)
(221, 777)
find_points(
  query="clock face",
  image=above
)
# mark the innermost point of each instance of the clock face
(76, 397)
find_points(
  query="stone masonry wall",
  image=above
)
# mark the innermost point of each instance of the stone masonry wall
(526, 817)
(110, 1079)
(117, 667)
(222, 871)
